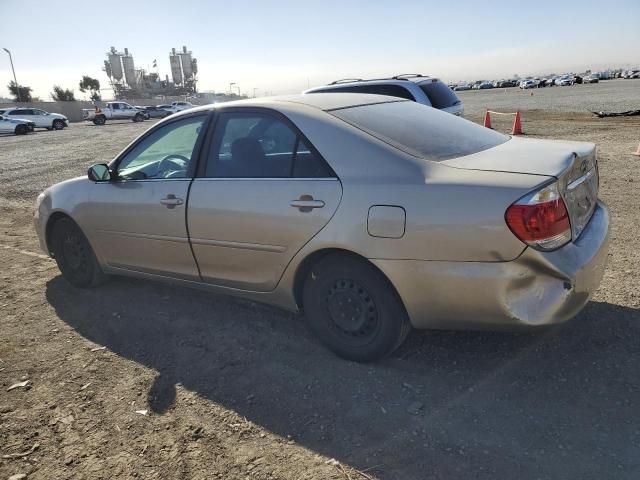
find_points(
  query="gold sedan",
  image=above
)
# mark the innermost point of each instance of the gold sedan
(370, 213)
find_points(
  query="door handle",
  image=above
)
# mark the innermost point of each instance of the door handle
(171, 201)
(306, 203)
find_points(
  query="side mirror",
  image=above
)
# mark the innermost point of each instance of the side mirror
(99, 173)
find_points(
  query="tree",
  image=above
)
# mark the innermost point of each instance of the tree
(24, 92)
(59, 94)
(92, 85)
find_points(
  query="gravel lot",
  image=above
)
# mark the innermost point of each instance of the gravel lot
(237, 390)
(609, 96)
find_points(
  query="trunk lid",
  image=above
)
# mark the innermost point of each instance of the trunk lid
(574, 164)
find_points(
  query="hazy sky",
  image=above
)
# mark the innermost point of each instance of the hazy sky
(281, 46)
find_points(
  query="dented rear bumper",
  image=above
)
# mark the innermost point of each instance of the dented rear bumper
(536, 289)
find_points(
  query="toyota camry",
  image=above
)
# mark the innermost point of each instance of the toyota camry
(370, 214)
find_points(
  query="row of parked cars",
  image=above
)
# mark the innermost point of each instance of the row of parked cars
(123, 111)
(21, 121)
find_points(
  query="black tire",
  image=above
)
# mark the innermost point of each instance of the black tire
(99, 120)
(138, 117)
(353, 309)
(58, 125)
(74, 255)
(21, 130)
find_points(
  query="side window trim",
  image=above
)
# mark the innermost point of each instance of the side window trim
(300, 138)
(197, 149)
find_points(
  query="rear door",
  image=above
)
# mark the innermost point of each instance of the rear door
(22, 114)
(262, 192)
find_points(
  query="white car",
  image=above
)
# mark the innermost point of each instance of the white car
(525, 84)
(15, 125)
(565, 81)
(41, 119)
(180, 106)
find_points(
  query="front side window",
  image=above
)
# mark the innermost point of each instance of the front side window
(256, 145)
(20, 113)
(421, 131)
(166, 153)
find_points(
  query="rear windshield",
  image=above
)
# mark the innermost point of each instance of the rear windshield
(439, 94)
(421, 131)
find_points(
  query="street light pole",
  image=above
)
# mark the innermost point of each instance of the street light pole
(231, 84)
(14, 74)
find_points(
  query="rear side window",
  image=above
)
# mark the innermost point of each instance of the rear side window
(257, 145)
(421, 131)
(439, 94)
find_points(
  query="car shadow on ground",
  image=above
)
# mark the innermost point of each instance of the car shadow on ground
(558, 404)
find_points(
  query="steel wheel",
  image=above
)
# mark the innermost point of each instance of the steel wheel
(353, 308)
(74, 255)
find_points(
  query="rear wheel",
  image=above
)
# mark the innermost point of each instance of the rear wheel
(99, 120)
(353, 309)
(21, 130)
(58, 125)
(74, 255)
(138, 117)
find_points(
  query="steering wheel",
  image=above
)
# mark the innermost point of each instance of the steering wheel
(168, 166)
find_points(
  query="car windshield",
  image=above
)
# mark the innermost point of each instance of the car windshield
(439, 94)
(421, 131)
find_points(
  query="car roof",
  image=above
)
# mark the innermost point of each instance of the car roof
(400, 81)
(325, 102)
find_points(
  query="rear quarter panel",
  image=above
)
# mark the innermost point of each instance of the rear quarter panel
(451, 213)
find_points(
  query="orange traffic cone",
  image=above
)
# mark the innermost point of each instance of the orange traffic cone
(517, 125)
(637, 152)
(487, 119)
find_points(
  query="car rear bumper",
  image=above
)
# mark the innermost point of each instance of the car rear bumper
(536, 289)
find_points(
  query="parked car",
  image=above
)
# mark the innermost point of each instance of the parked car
(180, 106)
(525, 84)
(40, 118)
(591, 79)
(155, 112)
(143, 109)
(341, 206)
(18, 126)
(566, 81)
(113, 111)
(418, 88)
(166, 107)
(462, 87)
(485, 86)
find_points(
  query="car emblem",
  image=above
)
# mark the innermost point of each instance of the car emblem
(584, 166)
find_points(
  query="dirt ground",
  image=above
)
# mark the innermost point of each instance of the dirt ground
(143, 380)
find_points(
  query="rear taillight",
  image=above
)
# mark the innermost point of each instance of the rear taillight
(540, 219)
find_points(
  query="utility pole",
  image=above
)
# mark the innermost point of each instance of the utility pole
(14, 74)
(231, 84)
(254, 92)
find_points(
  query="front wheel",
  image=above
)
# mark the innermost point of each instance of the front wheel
(353, 309)
(74, 255)
(58, 125)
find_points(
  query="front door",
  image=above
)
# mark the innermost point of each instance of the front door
(263, 193)
(41, 119)
(140, 219)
